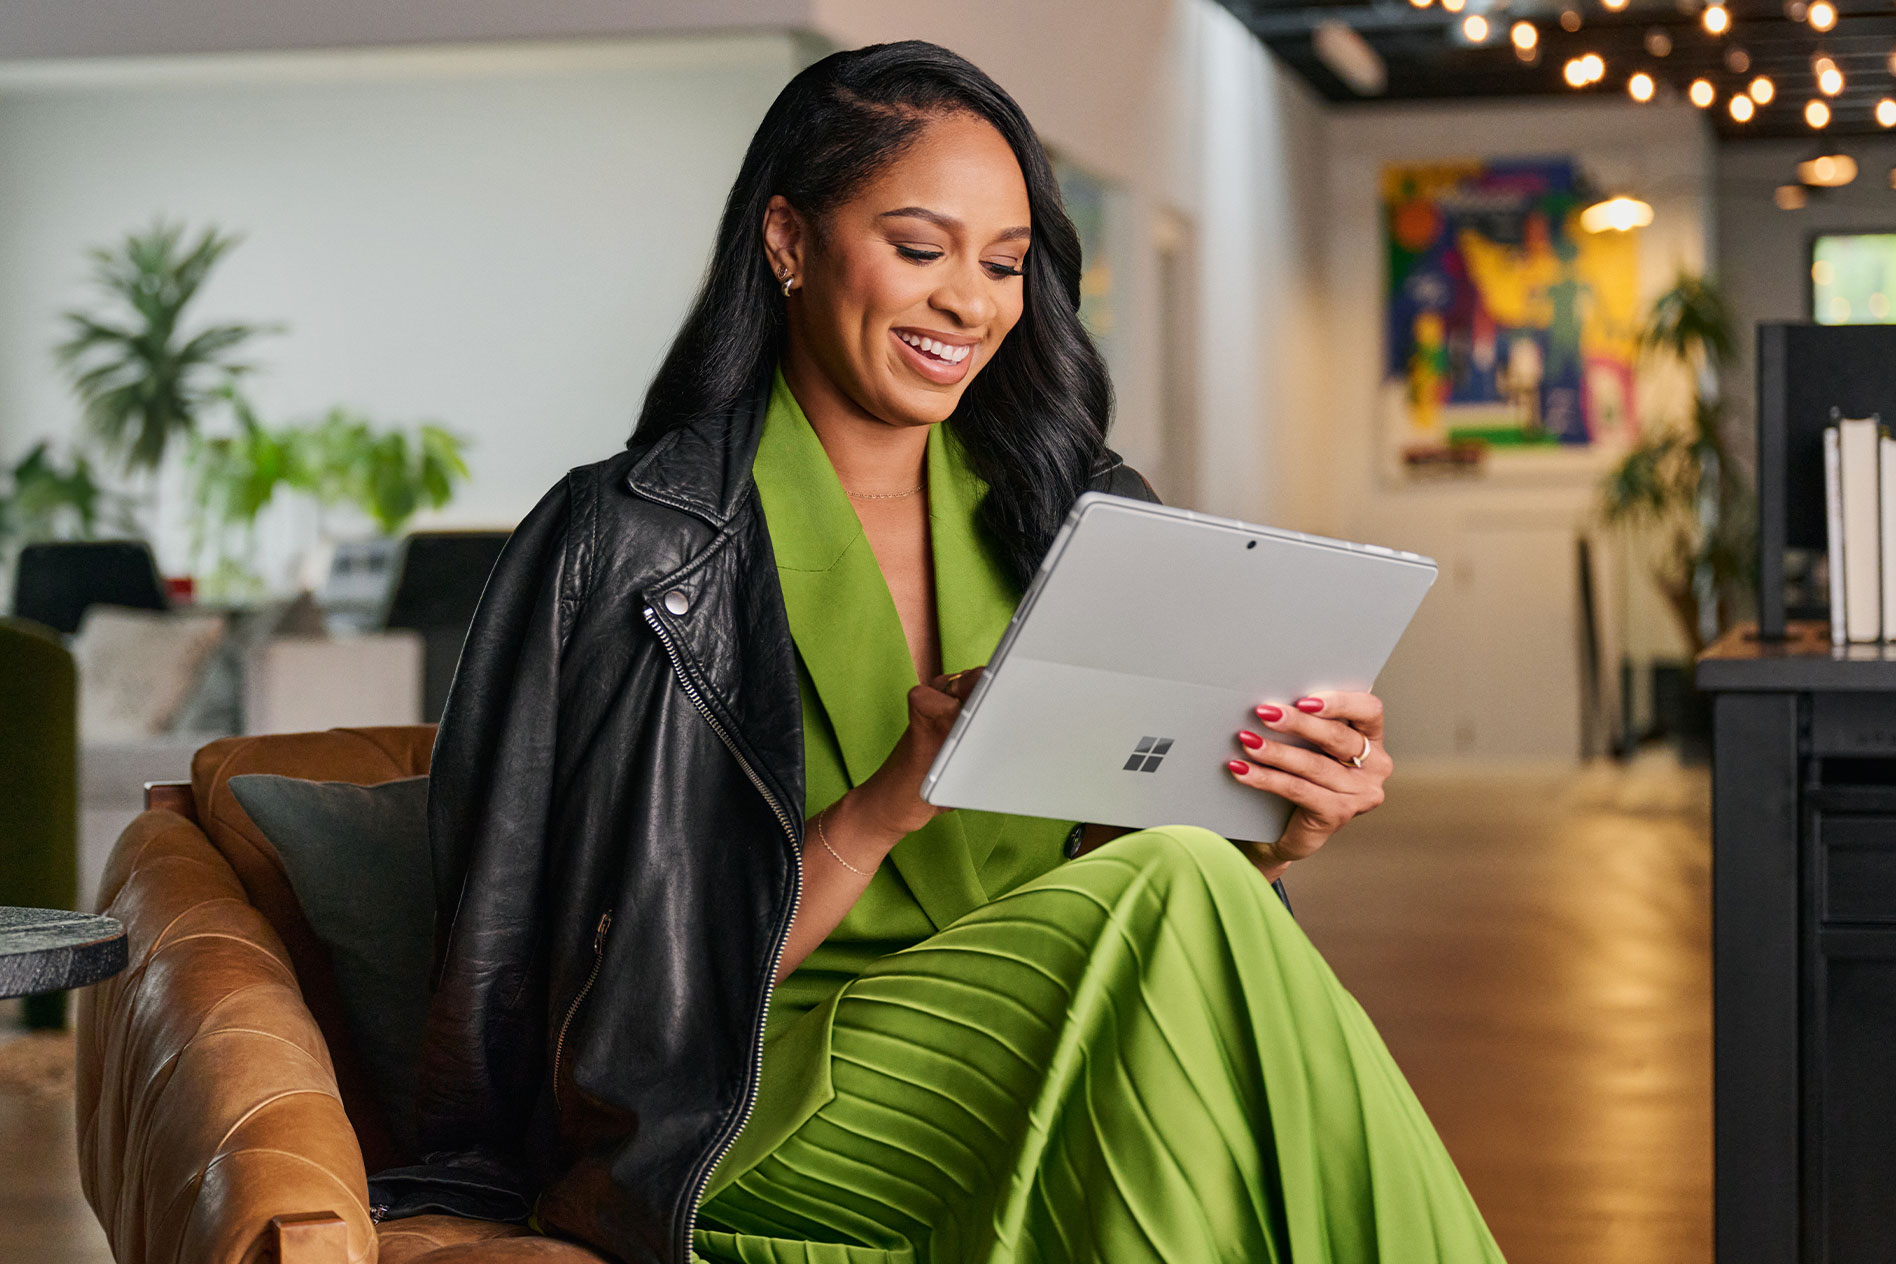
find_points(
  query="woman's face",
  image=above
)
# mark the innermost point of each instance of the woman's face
(911, 285)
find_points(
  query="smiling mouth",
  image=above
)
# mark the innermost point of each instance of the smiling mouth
(942, 351)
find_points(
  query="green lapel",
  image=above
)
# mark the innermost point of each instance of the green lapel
(847, 631)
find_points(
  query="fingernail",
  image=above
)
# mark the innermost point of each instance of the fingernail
(1311, 705)
(1238, 766)
(1251, 740)
(1270, 714)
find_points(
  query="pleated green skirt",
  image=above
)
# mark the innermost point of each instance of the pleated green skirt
(1136, 1056)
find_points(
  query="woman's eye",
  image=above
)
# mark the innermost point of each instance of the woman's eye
(921, 256)
(1002, 270)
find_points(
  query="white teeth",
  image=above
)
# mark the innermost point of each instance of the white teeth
(940, 350)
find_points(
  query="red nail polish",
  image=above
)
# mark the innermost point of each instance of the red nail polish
(1270, 714)
(1251, 740)
(1311, 705)
(1238, 766)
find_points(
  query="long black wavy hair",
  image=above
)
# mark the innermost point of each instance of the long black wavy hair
(1034, 419)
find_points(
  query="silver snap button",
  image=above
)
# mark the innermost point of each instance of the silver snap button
(677, 602)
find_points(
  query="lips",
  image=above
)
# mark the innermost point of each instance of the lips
(935, 348)
(932, 364)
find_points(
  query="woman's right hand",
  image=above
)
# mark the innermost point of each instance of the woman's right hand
(845, 842)
(891, 797)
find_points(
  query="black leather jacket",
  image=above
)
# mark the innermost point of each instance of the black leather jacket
(616, 817)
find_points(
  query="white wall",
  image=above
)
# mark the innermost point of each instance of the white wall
(501, 238)
(1490, 667)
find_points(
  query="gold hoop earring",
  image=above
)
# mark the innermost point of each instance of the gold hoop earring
(787, 278)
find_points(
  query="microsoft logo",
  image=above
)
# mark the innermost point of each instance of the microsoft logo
(1146, 756)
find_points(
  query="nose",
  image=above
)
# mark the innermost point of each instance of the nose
(965, 295)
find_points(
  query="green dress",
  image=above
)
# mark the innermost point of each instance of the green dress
(1000, 1055)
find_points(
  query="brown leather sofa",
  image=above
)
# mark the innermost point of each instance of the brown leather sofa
(223, 1116)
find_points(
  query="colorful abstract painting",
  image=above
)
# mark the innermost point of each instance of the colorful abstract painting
(1508, 324)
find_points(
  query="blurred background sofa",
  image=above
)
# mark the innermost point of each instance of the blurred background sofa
(373, 644)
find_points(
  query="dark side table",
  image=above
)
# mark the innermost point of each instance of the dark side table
(1803, 947)
(50, 950)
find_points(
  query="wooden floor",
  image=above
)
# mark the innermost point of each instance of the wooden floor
(1534, 947)
(1536, 950)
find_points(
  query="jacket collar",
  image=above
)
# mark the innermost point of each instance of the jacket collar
(703, 467)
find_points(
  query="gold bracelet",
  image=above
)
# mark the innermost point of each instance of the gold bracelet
(823, 838)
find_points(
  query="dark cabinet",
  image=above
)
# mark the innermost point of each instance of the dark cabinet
(1804, 949)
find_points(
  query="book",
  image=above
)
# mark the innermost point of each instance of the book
(1833, 534)
(1886, 449)
(1858, 456)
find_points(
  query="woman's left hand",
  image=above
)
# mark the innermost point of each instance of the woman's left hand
(1326, 788)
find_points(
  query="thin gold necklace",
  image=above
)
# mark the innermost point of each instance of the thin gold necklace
(882, 495)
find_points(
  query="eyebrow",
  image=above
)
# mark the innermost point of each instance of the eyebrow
(950, 223)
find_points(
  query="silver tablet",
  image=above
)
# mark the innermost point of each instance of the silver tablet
(1144, 644)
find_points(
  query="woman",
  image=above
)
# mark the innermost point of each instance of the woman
(681, 763)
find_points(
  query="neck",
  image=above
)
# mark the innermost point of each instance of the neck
(870, 455)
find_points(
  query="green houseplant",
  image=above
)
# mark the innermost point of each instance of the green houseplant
(341, 460)
(141, 378)
(39, 500)
(1679, 481)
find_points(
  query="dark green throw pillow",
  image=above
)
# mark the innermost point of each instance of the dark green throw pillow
(358, 860)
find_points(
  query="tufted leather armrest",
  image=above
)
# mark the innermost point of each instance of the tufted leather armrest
(210, 1125)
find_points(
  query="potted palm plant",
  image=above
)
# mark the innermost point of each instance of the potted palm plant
(1680, 485)
(142, 378)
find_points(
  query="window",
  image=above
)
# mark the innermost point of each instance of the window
(1853, 279)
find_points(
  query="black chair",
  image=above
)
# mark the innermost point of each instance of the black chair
(439, 576)
(56, 582)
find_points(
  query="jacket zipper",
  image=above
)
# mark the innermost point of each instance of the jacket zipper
(702, 1176)
(599, 956)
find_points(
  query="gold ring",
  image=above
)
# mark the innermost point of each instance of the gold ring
(1358, 761)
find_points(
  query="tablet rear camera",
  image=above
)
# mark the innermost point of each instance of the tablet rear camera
(1251, 544)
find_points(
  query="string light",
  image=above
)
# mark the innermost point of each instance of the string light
(1829, 78)
(1570, 20)
(1822, 15)
(1742, 108)
(1658, 43)
(1475, 27)
(1828, 171)
(1454, 6)
(1701, 93)
(1525, 35)
(1763, 90)
(1791, 197)
(1816, 113)
(1421, 4)
(1886, 113)
(1581, 71)
(1617, 215)
(1640, 87)
(1737, 60)
(1614, 6)
(1717, 19)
